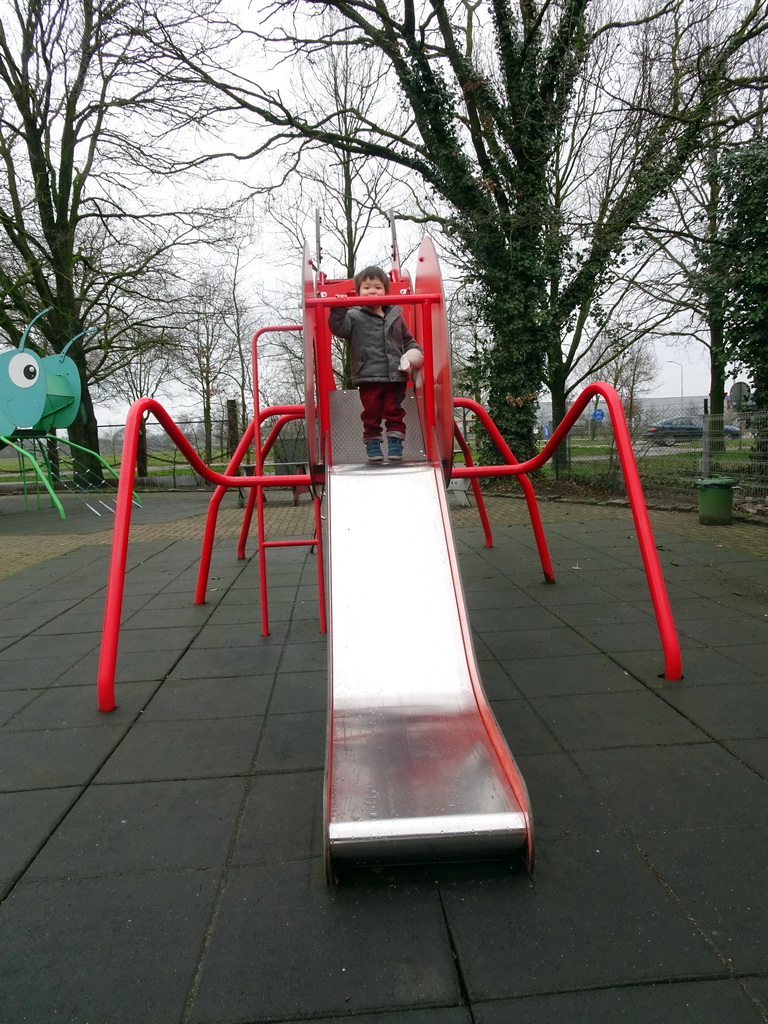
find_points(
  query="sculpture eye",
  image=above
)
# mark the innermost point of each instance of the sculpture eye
(23, 370)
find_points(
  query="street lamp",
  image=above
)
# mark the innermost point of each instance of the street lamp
(682, 408)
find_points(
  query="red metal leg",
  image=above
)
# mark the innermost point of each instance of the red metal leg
(525, 483)
(213, 512)
(320, 565)
(247, 517)
(468, 461)
(658, 590)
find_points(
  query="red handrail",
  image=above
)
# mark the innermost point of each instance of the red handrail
(124, 505)
(469, 461)
(525, 483)
(656, 585)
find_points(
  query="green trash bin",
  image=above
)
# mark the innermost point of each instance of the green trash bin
(716, 500)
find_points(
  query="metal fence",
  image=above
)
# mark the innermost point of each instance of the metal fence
(673, 447)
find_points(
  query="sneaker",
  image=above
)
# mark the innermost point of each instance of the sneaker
(394, 449)
(373, 448)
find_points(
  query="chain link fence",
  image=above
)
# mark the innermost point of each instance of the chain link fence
(673, 447)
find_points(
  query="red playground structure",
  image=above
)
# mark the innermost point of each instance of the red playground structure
(416, 766)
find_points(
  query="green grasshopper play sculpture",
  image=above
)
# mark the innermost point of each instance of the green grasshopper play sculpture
(39, 395)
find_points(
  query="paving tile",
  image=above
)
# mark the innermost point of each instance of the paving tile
(247, 597)
(171, 638)
(537, 643)
(238, 635)
(675, 1003)
(184, 750)
(121, 949)
(72, 646)
(735, 711)
(305, 658)
(758, 989)
(751, 656)
(72, 622)
(723, 632)
(752, 752)
(596, 720)
(608, 613)
(693, 786)
(702, 666)
(229, 661)
(730, 905)
(180, 699)
(11, 702)
(293, 742)
(585, 921)
(132, 667)
(562, 800)
(283, 819)
(33, 673)
(496, 681)
(442, 1015)
(523, 729)
(491, 620)
(479, 601)
(642, 636)
(299, 691)
(47, 759)
(323, 951)
(76, 707)
(569, 674)
(301, 610)
(711, 609)
(26, 821)
(160, 602)
(485, 582)
(228, 614)
(137, 827)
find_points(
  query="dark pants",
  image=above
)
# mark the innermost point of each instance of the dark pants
(382, 402)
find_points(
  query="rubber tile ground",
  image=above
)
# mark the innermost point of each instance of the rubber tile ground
(164, 863)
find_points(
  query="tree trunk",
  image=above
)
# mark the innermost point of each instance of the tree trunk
(54, 461)
(84, 431)
(142, 460)
(233, 433)
(208, 431)
(717, 363)
(561, 461)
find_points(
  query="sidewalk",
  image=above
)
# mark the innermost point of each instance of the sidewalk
(164, 863)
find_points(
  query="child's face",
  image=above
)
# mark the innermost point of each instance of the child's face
(372, 286)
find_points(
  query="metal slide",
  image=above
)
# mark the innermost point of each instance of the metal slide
(417, 768)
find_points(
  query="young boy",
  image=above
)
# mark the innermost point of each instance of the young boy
(378, 337)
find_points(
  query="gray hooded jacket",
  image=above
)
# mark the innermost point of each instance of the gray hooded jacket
(375, 345)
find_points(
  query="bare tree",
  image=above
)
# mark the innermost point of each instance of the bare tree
(206, 350)
(146, 375)
(486, 93)
(90, 117)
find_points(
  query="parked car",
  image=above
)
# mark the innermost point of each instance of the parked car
(681, 429)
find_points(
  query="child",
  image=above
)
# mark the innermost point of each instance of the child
(378, 337)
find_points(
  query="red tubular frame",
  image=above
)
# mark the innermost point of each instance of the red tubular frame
(124, 505)
(286, 418)
(257, 494)
(468, 461)
(525, 483)
(664, 620)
